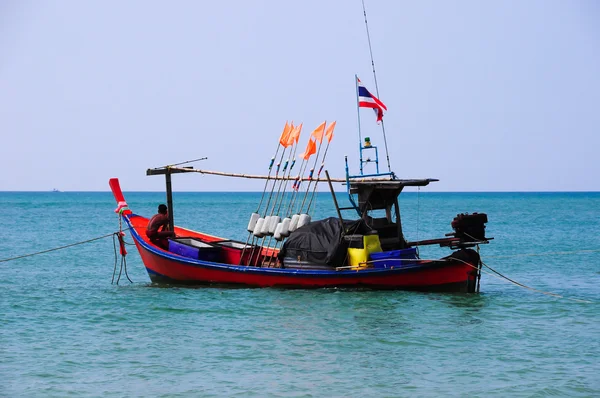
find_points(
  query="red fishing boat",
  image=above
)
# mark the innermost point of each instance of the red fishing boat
(366, 250)
(369, 252)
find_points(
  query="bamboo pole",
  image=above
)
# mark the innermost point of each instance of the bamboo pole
(263, 177)
(250, 176)
(421, 182)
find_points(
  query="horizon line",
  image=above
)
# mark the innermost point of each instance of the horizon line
(341, 191)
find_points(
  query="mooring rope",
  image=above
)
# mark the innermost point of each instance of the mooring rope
(546, 253)
(59, 248)
(123, 260)
(498, 275)
(115, 267)
(537, 254)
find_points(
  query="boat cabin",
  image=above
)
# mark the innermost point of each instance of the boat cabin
(376, 202)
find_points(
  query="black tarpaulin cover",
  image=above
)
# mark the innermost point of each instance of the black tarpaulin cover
(321, 241)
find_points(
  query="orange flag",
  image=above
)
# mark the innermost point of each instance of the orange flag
(285, 134)
(311, 148)
(318, 133)
(294, 135)
(329, 131)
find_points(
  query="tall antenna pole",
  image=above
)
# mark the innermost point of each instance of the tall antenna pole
(359, 133)
(376, 86)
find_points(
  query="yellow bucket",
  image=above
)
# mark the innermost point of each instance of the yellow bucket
(357, 258)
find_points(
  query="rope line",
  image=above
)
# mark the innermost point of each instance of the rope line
(500, 276)
(538, 254)
(186, 162)
(115, 267)
(546, 253)
(59, 248)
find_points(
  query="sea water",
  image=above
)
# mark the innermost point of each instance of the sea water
(65, 330)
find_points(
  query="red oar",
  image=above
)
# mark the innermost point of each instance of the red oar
(118, 194)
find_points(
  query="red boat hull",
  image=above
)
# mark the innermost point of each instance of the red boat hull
(169, 268)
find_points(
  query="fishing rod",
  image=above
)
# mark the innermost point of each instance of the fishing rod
(263, 225)
(318, 134)
(254, 217)
(329, 135)
(278, 199)
(291, 139)
(278, 223)
(297, 220)
(274, 218)
(296, 186)
(300, 219)
(288, 225)
(290, 222)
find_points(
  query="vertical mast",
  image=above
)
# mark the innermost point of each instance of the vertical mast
(376, 90)
(169, 197)
(359, 134)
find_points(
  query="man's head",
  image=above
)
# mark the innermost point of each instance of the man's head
(162, 208)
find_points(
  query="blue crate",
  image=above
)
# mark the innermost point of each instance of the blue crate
(194, 248)
(393, 258)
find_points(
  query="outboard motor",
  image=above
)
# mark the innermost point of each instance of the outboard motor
(469, 229)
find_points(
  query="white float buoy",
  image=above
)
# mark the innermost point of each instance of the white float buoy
(304, 219)
(273, 224)
(258, 228)
(265, 227)
(294, 222)
(285, 227)
(253, 219)
(277, 234)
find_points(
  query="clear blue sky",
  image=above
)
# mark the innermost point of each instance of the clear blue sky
(484, 95)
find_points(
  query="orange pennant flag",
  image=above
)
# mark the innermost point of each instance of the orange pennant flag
(318, 133)
(285, 134)
(311, 148)
(329, 131)
(294, 135)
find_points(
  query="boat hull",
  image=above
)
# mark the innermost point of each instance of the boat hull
(167, 268)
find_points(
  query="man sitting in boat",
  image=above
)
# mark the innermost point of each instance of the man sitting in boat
(158, 228)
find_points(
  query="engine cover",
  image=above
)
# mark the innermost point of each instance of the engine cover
(470, 227)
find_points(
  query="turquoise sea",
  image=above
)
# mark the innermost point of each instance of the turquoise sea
(65, 330)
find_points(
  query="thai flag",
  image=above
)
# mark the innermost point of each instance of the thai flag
(368, 100)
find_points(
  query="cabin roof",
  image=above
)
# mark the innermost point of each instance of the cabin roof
(380, 194)
(391, 184)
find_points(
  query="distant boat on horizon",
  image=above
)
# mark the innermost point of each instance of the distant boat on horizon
(55, 190)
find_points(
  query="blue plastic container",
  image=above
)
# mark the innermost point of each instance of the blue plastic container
(393, 258)
(194, 248)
